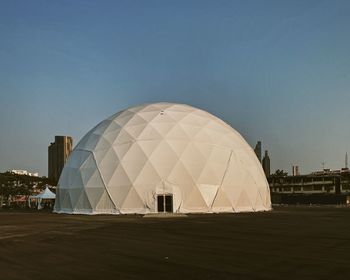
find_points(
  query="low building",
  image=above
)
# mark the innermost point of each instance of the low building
(321, 187)
(24, 172)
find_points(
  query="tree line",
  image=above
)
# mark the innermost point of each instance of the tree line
(12, 185)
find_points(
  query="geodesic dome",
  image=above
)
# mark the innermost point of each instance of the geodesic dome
(162, 157)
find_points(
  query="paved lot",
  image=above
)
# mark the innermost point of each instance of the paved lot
(288, 243)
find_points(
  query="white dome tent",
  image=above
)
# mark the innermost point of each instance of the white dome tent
(162, 157)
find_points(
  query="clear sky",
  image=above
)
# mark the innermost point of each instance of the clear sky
(276, 71)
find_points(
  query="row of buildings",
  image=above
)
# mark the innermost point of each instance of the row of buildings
(321, 187)
(324, 186)
(325, 181)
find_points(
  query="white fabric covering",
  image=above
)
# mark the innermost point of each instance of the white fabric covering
(123, 163)
(45, 194)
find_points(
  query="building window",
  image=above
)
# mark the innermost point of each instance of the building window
(307, 188)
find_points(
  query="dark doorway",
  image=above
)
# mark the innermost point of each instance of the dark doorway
(169, 203)
(160, 200)
(165, 203)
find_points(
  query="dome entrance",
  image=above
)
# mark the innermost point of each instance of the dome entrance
(165, 203)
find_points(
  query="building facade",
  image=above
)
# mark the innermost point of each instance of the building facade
(321, 187)
(24, 172)
(295, 170)
(266, 164)
(58, 153)
(257, 150)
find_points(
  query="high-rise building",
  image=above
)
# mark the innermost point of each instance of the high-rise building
(295, 170)
(346, 160)
(257, 150)
(58, 154)
(266, 164)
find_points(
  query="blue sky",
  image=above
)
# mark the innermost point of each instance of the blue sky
(276, 71)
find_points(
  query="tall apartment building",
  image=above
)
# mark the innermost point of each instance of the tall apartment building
(295, 170)
(257, 150)
(58, 154)
(266, 164)
(346, 160)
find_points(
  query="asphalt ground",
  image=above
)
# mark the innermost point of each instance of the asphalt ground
(287, 243)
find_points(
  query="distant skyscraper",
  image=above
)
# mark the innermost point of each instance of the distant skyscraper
(346, 160)
(295, 170)
(257, 150)
(266, 164)
(58, 154)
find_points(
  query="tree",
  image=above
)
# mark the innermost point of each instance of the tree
(13, 184)
(280, 173)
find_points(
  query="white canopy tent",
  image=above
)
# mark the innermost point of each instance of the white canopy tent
(44, 195)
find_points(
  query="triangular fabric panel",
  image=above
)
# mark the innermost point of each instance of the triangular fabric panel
(148, 176)
(94, 196)
(83, 203)
(243, 203)
(195, 201)
(74, 196)
(221, 202)
(105, 203)
(94, 181)
(132, 201)
(119, 194)
(259, 204)
(208, 193)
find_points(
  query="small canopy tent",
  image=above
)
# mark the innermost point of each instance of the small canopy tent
(46, 196)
